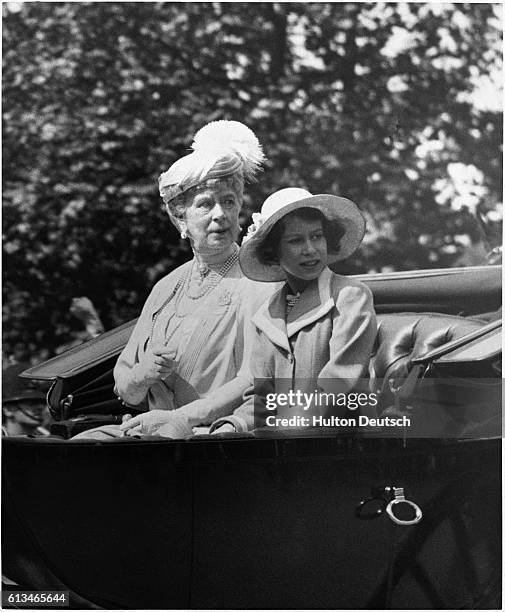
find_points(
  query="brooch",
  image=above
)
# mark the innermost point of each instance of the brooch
(224, 298)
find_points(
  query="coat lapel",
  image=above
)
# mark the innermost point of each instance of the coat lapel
(270, 319)
(315, 302)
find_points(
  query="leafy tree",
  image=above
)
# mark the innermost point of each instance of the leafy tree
(372, 101)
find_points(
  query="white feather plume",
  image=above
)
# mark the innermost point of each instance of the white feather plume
(221, 136)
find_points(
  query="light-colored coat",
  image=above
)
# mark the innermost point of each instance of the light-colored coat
(325, 345)
(211, 348)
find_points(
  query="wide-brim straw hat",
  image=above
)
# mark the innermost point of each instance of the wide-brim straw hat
(335, 210)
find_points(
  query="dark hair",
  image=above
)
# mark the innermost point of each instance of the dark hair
(268, 250)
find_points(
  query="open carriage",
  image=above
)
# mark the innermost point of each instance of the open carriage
(270, 519)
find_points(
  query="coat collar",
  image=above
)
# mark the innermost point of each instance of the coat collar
(315, 302)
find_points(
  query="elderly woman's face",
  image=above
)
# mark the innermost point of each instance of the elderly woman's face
(211, 219)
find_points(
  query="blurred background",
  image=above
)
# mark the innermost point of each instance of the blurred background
(397, 106)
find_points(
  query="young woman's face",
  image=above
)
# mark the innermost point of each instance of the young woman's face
(303, 252)
(211, 220)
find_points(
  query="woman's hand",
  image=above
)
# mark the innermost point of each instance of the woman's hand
(166, 423)
(158, 363)
(177, 427)
(133, 383)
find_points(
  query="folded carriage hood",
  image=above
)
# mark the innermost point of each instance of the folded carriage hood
(82, 357)
(465, 291)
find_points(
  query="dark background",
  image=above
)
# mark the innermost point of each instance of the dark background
(391, 105)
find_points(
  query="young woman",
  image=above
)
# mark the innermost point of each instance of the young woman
(314, 335)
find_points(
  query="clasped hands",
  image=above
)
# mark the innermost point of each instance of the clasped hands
(158, 363)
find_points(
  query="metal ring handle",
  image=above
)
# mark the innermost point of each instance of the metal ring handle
(416, 519)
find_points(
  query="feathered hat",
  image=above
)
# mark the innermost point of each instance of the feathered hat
(220, 149)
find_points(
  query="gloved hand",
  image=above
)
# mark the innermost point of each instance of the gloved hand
(167, 423)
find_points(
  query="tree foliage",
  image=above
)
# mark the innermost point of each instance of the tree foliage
(371, 101)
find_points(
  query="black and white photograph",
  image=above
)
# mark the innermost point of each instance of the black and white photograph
(252, 305)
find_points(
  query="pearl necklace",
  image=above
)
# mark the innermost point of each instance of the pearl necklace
(215, 277)
(181, 288)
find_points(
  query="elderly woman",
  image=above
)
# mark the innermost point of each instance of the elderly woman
(184, 355)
